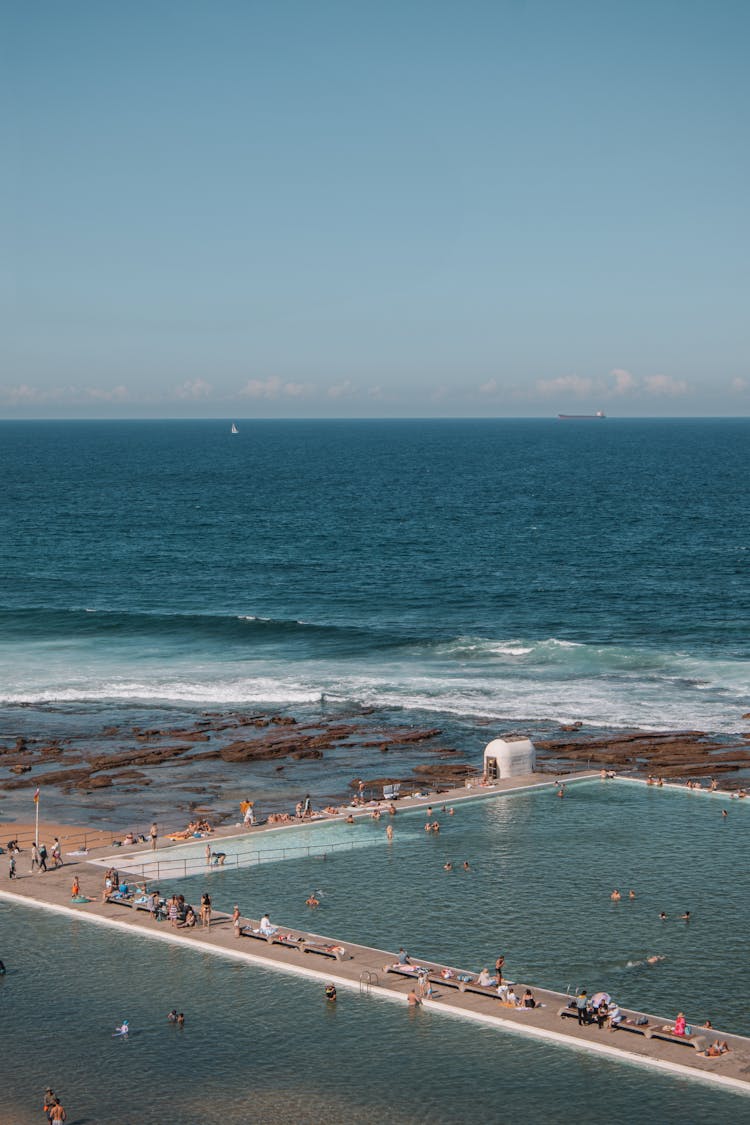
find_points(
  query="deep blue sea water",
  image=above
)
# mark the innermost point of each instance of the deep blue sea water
(497, 570)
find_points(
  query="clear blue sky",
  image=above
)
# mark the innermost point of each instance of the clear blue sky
(324, 208)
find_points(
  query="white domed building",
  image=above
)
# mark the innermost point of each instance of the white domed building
(509, 759)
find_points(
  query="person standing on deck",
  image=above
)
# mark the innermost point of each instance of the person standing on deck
(154, 835)
(34, 857)
(582, 1005)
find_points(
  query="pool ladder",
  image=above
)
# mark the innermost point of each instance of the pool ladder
(366, 980)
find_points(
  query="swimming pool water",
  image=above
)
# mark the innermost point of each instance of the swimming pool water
(542, 870)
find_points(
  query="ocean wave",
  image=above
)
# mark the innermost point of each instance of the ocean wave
(39, 623)
(234, 659)
(600, 703)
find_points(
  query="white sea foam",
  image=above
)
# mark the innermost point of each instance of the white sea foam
(609, 686)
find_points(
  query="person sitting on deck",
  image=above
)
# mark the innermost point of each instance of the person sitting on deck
(189, 918)
(614, 1016)
(266, 928)
(403, 957)
(528, 999)
(485, 980)
(679, 1024)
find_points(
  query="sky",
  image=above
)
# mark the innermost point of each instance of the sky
(374, 208)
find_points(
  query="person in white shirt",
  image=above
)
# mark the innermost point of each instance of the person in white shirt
(266, 927)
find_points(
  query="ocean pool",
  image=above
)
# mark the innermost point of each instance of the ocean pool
(542, 870)
(261, 1045)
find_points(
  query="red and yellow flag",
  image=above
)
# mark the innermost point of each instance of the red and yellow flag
(36, 796)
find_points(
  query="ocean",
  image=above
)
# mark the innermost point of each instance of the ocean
(492, 571)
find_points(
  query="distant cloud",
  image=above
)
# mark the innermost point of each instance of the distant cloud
(23, 394)
(739, 385)
(274, 387)
(619, 382)
(489, 388)
(341, 390)
(624, 381)
(114, 394)
(664, 385)
(375, 392)
(566, 384)
(193, 389)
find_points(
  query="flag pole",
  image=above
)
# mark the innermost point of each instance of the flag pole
(36, 804)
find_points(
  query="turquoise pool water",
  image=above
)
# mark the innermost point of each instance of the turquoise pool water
(542, 870)
(261, 1046)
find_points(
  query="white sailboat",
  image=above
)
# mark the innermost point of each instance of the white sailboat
(234, 429)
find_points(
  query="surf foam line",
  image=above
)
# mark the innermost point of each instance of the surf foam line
(497, 1023)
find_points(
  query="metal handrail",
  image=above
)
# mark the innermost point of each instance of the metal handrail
(176, 868)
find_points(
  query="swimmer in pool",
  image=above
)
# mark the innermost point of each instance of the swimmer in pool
(448, 866)
(312, 900)
(615, 896)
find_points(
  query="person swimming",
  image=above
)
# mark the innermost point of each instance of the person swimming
(312, 900)
(123, 1029)
(615, 896)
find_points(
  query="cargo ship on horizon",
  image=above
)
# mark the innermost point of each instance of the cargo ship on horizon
(571, 417)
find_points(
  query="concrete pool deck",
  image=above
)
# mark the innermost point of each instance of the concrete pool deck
(364, 970)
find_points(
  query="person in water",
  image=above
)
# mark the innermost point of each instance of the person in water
(615, 896)
(330, 992)
(312, 900)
